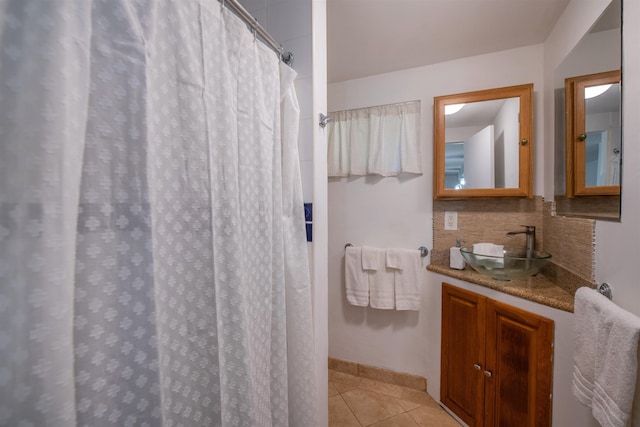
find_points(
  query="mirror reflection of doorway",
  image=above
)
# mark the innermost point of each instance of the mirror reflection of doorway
(479, 159)
(602, 158)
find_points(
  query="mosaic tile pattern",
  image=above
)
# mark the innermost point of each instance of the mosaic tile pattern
(571, 241)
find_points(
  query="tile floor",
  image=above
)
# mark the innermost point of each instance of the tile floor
(356, 401)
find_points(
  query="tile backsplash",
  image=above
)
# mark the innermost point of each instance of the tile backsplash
(569, 240)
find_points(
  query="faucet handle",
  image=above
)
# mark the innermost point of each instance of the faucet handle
(529, 227)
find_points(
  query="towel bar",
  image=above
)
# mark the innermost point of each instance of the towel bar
(424, 251)
(605, 289)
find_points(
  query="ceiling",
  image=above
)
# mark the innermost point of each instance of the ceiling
(368, 37)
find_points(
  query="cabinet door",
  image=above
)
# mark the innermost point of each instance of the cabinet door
(463, 353)
(519, 357)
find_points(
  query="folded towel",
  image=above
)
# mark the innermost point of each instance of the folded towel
(373, 258)
(616, 366)
(407, 278)
(490, 250)
(605, 358)
(381, 285)
(394, 258)
(356, 279)
(586, 314)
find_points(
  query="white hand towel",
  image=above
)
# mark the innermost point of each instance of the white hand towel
(356, 279)
(373, 258)
(605, 357)
(407, 278)
(381, 285)
(394, 258)
(616, 366)
(586, 314)
(490, 249)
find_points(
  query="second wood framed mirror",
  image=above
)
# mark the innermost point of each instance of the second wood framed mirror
(593, 134)
(483, 143)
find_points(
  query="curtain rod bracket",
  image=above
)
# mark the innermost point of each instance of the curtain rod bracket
(286, 57)
(324, 120)
(257, 29)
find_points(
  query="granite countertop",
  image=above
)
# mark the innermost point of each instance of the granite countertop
(550, 287)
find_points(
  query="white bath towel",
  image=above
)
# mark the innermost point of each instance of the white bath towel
(381, 285)
(616, 366)
(586, 315)
(407, 267)
(356, 279)
(606, 357)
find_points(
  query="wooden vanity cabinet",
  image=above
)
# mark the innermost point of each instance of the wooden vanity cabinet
(497, 361)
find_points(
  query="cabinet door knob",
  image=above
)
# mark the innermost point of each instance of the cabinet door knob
(477, 367)
(582, 137)
(487, 374)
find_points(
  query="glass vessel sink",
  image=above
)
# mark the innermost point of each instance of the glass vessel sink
(513, 265)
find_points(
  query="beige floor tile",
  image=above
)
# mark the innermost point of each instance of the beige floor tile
(426, 416)
(339, 413)
(370, 407)
(332, 389)
(407, 405)
(355, 401)
(391, 390)
(402, 420)
(343, 388)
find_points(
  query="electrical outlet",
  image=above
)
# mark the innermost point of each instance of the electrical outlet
(450, 220)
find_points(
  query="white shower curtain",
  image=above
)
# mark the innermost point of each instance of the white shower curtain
(153, 265)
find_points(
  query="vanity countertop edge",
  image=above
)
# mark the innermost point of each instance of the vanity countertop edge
(538, 288)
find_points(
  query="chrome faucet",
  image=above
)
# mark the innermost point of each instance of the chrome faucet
(530, 231)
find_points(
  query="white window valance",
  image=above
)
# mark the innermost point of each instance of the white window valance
(383, 140)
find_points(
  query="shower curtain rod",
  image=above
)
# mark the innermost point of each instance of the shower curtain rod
(286, 57)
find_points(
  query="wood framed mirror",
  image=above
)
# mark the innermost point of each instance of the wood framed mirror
(593, 134)
(596, 53)
(483, 143)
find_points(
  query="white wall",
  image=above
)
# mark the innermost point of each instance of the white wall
(397, 212)
(510, 129)
(581, 61)
(479, 164)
